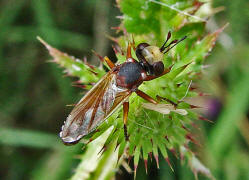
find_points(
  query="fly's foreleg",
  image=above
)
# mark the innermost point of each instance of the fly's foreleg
(151, 77)
(125, 118)
(167, 70)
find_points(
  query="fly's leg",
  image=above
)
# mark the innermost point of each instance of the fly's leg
(128, 53)
(145, 96)
(125, 117)
(151, 77)
(109, 62)
(150, 99)
(167, 70)
(106, 59)
(133, 43)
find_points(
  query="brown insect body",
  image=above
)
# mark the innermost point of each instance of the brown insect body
(130, 75)
(114, 90)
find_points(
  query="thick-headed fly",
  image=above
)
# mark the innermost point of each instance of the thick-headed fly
(114, 89)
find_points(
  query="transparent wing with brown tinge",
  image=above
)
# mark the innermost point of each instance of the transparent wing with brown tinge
(96, 106)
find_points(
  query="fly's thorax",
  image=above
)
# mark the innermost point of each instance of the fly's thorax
(130, 75)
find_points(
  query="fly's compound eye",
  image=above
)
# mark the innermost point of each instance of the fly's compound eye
(139, 50)
(141, 46)
(158, 68)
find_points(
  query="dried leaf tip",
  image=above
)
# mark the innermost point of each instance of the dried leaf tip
(146, 165)
(157, 161)
(198, 167)
(167, 160)
(43, 42)
(99, 56)
(135, 171)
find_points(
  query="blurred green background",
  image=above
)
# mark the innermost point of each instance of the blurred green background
(34, 92)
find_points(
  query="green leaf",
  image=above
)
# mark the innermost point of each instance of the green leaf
(27, 138)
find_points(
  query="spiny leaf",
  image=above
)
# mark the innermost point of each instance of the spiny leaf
(73, 66)
(198, 167)
(136, 159)
(91, 158)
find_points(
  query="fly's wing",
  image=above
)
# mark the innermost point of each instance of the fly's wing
(96, 106)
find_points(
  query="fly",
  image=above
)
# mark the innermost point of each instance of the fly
(115, 88)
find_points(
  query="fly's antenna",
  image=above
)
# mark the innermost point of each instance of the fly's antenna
(175, 42)
(163, 46)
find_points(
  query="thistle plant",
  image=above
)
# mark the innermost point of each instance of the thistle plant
(152, 129)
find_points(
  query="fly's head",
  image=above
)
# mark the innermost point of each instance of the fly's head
(151, 57)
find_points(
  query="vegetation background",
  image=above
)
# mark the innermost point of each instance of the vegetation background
(33, 93)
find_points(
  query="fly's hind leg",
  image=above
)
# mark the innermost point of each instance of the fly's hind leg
(125, 118)
(146, 96)
(151, 100)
